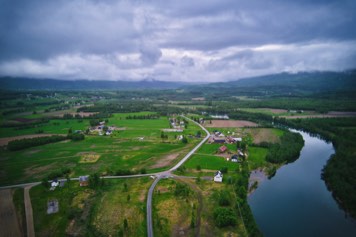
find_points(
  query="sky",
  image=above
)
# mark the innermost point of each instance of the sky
(175, 40)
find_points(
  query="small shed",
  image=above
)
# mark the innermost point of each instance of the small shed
(83, 180)
(218, 177)
(235, 158)
(52, 206)
(222, 149)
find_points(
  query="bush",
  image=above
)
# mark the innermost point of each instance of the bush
(224, 216)
(76, 136)
(182, 190)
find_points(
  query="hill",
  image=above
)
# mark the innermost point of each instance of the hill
(288, 84)
(22, 83)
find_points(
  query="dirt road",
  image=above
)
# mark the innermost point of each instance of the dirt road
(9, 225)
(28, 210)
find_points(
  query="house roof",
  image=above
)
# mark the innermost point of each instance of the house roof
(223, 148)
(218, 173)
(83, 178)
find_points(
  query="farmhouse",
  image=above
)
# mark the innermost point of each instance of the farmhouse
(54, 184)
(231, 139)
(83, 180)
(219, 139)
(218, 176)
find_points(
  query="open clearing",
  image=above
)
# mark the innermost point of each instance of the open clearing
(270, 135)
(4, 141)
(165, 161)
(230, 124)
(9, 224)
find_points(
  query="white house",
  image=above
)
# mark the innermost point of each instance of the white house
(218, 177)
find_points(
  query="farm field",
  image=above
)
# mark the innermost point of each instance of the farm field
(85, 211)
(54, 126)
(186, 207)
(121, 151)
(230, 124)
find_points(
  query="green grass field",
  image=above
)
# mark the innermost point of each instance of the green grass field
(120, 151)
(257, 157)
(89, 212)
(54, 126)
(209, 162)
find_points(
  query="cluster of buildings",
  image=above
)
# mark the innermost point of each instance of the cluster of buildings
(219, 137)
(102, 129)
(176, 124)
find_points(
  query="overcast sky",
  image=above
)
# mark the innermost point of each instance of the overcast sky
(178, 40)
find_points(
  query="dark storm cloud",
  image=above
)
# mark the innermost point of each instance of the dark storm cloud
(130, 39)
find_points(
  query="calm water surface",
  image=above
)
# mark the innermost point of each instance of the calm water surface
(296, 201)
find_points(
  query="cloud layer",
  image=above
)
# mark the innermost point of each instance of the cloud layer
(174, 40)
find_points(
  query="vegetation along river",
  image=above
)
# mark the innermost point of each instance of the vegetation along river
(296, 202)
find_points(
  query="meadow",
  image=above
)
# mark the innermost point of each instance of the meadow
(123, 150)
(85, 211)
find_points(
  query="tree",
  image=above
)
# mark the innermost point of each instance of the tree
(182, 190)
(94, 180)
(184, 140)
(128, 198)
(224, 216)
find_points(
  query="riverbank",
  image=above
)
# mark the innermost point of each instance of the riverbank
(297, 192)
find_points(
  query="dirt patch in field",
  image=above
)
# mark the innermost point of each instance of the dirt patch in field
(9, 224)
(24, 120)
(88, 157)
(230, 124)
(4, 141)
(33, 170)
(263, 135)
(275, 111)
(165, 161)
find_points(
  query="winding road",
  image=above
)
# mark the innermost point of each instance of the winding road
(159, 175)
(167, 174)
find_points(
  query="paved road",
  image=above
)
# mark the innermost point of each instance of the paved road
(167, 174)
(149, 207)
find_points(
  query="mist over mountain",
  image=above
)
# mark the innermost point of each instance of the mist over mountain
(282, 83)
(22, 83)
(288, 83)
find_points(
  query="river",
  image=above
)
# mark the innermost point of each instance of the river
(296, 202)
